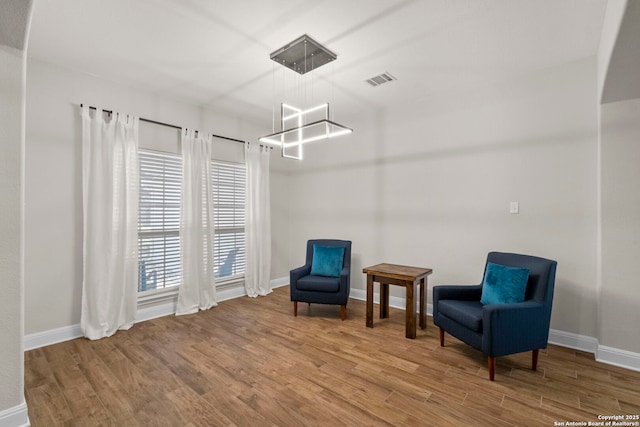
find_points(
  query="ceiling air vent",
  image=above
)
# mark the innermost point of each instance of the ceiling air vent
(381, 79)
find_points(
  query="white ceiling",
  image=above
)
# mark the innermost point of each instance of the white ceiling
(216, 53)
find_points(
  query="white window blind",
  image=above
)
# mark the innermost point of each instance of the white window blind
(159, 221)
(228, 205)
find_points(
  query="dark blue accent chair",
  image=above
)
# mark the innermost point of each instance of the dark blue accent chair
(320, 289)
(500, 329)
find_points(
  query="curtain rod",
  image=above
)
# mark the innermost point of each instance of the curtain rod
(155, 122)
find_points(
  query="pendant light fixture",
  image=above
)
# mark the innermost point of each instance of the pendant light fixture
(301, 126)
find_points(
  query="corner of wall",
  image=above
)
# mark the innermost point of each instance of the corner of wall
(610, 28)
(15, 417)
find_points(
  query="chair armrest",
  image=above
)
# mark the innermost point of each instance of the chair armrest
(465, 293)
(345, 286)
(514, 328)
(297, 273)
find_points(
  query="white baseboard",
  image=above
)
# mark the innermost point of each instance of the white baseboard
(52, 336)
(604, 354)
(169, 306)
(15, 417)
(66, 333)
(158, 310)
(395, 302)
(279, 282)
(575, 341)
(609, 355)
(622, 358)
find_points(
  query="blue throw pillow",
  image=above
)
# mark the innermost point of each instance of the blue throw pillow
(504, 285)
(327, 261)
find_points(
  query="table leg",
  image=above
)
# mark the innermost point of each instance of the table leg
(384, 300)
(410, 327)
(369, 301)
(423, 311)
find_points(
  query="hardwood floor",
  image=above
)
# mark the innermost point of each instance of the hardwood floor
(250, 362)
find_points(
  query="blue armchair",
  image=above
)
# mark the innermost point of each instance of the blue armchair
(500, 329)
(320, 289)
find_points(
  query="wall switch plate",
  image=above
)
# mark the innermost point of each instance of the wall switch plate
(514, 207)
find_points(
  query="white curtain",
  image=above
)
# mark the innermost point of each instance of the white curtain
(197, 290)
(110, 213)
(257, 221)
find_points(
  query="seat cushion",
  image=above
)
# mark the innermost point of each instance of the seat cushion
(318, 284)
(467, 313)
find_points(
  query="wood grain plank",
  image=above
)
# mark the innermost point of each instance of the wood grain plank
(250, 362)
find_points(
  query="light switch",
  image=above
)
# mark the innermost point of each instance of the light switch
(514, 207)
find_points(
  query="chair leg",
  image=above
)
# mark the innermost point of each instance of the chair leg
(492, 368)
(343, 312)
(441, 337)
(295, 308)
(534, 360)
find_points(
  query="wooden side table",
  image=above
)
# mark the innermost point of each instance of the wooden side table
(400, 275)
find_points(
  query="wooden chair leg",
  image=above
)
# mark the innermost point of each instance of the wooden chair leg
(534, 360)
(343, 312)
(441, 337)
(295, 308)
(492, 368)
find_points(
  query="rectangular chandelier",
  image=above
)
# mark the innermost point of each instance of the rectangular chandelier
(298, 126)
(307, 127)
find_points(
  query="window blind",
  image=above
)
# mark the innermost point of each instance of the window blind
(228, 182)
(159, 221)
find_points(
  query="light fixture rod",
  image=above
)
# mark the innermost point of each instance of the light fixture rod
(310, 110)
(269, 138)
(318, 138)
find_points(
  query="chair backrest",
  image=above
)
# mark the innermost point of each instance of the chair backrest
(227, 266)
(542, 274)
(346, 244)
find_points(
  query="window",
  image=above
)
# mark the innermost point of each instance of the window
(228, 209)
(159, 221)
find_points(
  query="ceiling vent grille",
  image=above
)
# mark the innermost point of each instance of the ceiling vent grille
(380, 79)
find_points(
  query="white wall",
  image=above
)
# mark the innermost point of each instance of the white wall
(15, 17)
(425, 183)
(619, 204)
(429, 184)
(11, 170)
(620, 156)
(53, 242)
